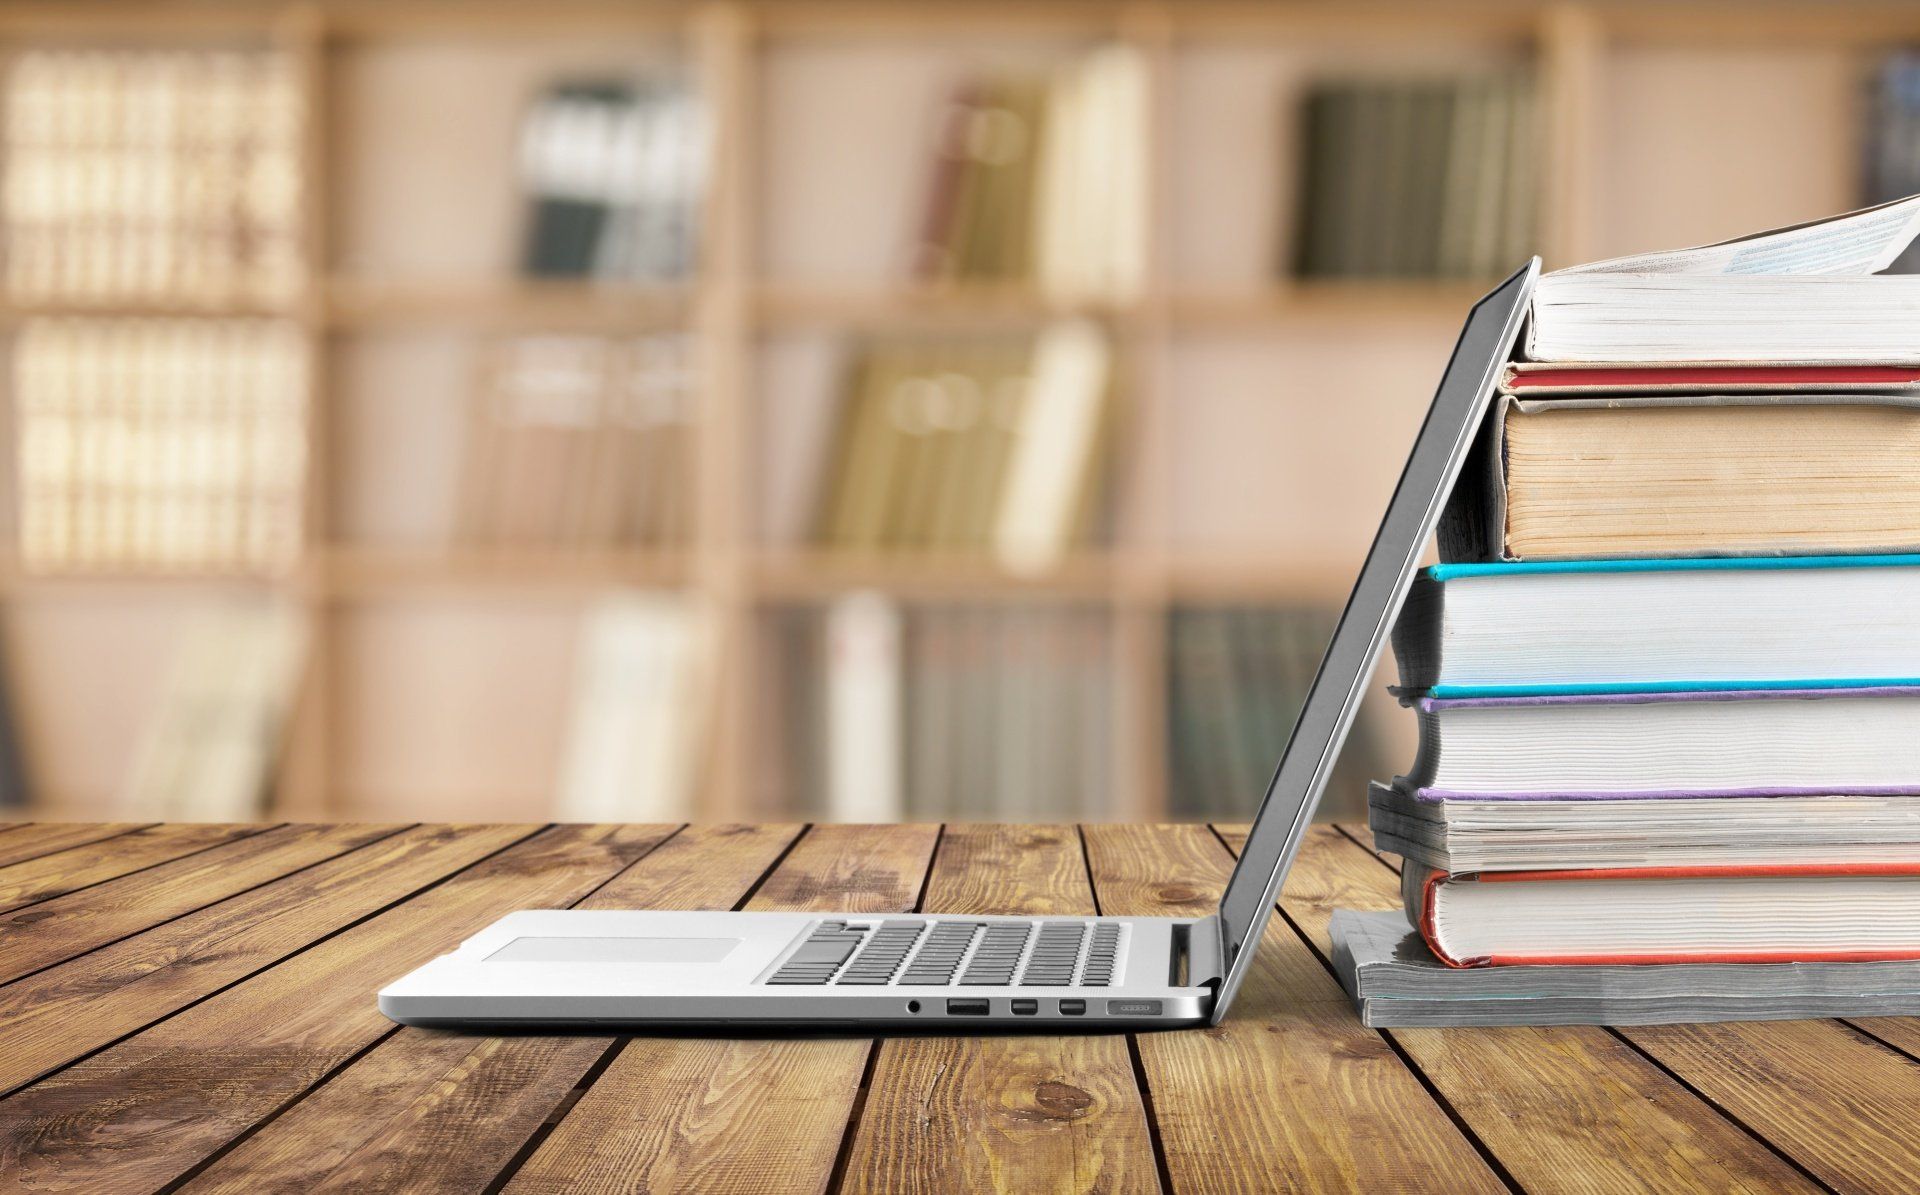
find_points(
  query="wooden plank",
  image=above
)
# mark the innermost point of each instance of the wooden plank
(1314, 1100)
(144, 1112)
(1562, 1108)
(1820, 1092)
(70, 870)
(59, 929)
(433, 1110)
(741, 1114)
(999, 1113)
(52, 1017)
(43, 838)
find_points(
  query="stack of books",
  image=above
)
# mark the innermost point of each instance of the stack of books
(1424, 178)
(1668, 679)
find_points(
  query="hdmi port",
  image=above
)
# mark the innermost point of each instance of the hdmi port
(966, 1008)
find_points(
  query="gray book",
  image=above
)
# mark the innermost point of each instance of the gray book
(1396, 982)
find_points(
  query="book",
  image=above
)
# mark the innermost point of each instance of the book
(1803, 295)
(864, 714)
(1892, 150)
(1762, 913)
(168, 177)
(211, 748)
(613, 169)
(160, 445)
(1396, 982)
(989, 446)
(1040, 178)
(641, 703)
(1603, 745)
(579, 442)
(1236, 679)
(1547, 379)
(1419, 178)
(1647, 625)
(1464, 833)
(1682, 474)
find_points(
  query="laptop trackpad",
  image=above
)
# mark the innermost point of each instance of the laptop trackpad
(614, 950)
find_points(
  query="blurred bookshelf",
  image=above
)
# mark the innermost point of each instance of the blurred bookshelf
(844, 189)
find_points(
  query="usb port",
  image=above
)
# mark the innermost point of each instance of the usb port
(1025, 1008)
(1073, 1008)
(966, 1008)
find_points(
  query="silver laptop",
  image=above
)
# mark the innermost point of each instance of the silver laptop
(579, 967)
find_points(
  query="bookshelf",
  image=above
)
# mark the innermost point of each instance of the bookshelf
(1261, 420)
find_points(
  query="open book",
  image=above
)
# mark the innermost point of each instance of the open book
(1804, 294)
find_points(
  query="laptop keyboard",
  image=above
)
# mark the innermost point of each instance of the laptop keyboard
(957, 952)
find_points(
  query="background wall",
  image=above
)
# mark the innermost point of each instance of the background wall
(1256, 424)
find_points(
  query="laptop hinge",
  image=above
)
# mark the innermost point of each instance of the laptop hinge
(1206, 966)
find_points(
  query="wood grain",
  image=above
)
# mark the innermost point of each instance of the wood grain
(742, 1114)
(1317, 1101)
(43, 838)
(52, 1017)
(74, 924)
(434, 1110)
(1009, 1114)
(145, 1111)
(1564, 1109)
(70, 870)
(1819, 1092)
(1838, 1103)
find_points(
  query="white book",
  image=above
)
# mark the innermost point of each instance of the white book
(1052, 463)
(1773, 741)
(1805, 294)
(1722, 622)
(864, 716)
(641, 704)
(211, 747)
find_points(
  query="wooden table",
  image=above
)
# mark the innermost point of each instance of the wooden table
(191, 1007)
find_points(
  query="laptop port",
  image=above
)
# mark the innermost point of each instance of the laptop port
(1025, 1008)
(966, 1008)
(1073, 1008)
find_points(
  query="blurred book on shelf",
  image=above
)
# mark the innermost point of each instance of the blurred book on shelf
(1041, 180)
(644, 672)
(614, 170)
(213, 745)
(1237, 677)
(169, 177)
(160, 444)
(1420, 178)
(937, 711)
(16, 784)
(991, 447)
(1892, 151)
(580, 441)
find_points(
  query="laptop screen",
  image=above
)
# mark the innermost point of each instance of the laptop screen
(1438, 454)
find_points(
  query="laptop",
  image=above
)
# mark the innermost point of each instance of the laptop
(581, 967)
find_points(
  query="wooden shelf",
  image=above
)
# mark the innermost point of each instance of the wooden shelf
(1314, 299)
(814, 575)
(519, 305)
(357, 573)
(977, 306)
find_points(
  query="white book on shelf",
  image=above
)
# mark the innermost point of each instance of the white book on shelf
(1053, 458)
(864, 715)
(641, 697)
(211, 747)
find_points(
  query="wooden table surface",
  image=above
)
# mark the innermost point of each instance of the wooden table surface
(192, 1007)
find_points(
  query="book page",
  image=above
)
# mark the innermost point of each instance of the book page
(1860, 242)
